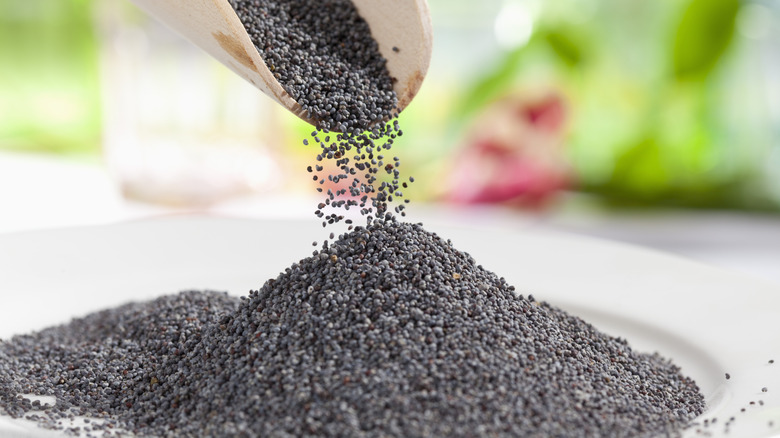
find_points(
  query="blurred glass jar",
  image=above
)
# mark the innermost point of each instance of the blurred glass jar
(49, 93)
(179, 128)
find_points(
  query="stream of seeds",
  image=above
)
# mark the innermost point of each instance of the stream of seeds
(323, 54)
(387, 330)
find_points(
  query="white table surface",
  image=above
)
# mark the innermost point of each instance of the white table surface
(43, 192)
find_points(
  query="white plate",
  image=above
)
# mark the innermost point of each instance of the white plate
(708, 321)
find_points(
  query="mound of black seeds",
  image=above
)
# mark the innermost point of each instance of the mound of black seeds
(323, 55)
(388, 331)
(102, 364)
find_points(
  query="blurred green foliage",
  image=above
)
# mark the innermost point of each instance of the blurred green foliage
(655, 115)
(703, 35)
(49, 87)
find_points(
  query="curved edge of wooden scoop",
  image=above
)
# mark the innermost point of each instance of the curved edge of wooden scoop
(404, 32)
(214, 26)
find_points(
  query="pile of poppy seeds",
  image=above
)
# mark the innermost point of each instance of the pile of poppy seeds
(386, 330)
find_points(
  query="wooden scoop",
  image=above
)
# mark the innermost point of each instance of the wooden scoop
(214, 26)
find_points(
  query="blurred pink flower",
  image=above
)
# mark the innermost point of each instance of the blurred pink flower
(513, 152)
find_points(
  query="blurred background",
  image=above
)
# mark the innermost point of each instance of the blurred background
(656, 123)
